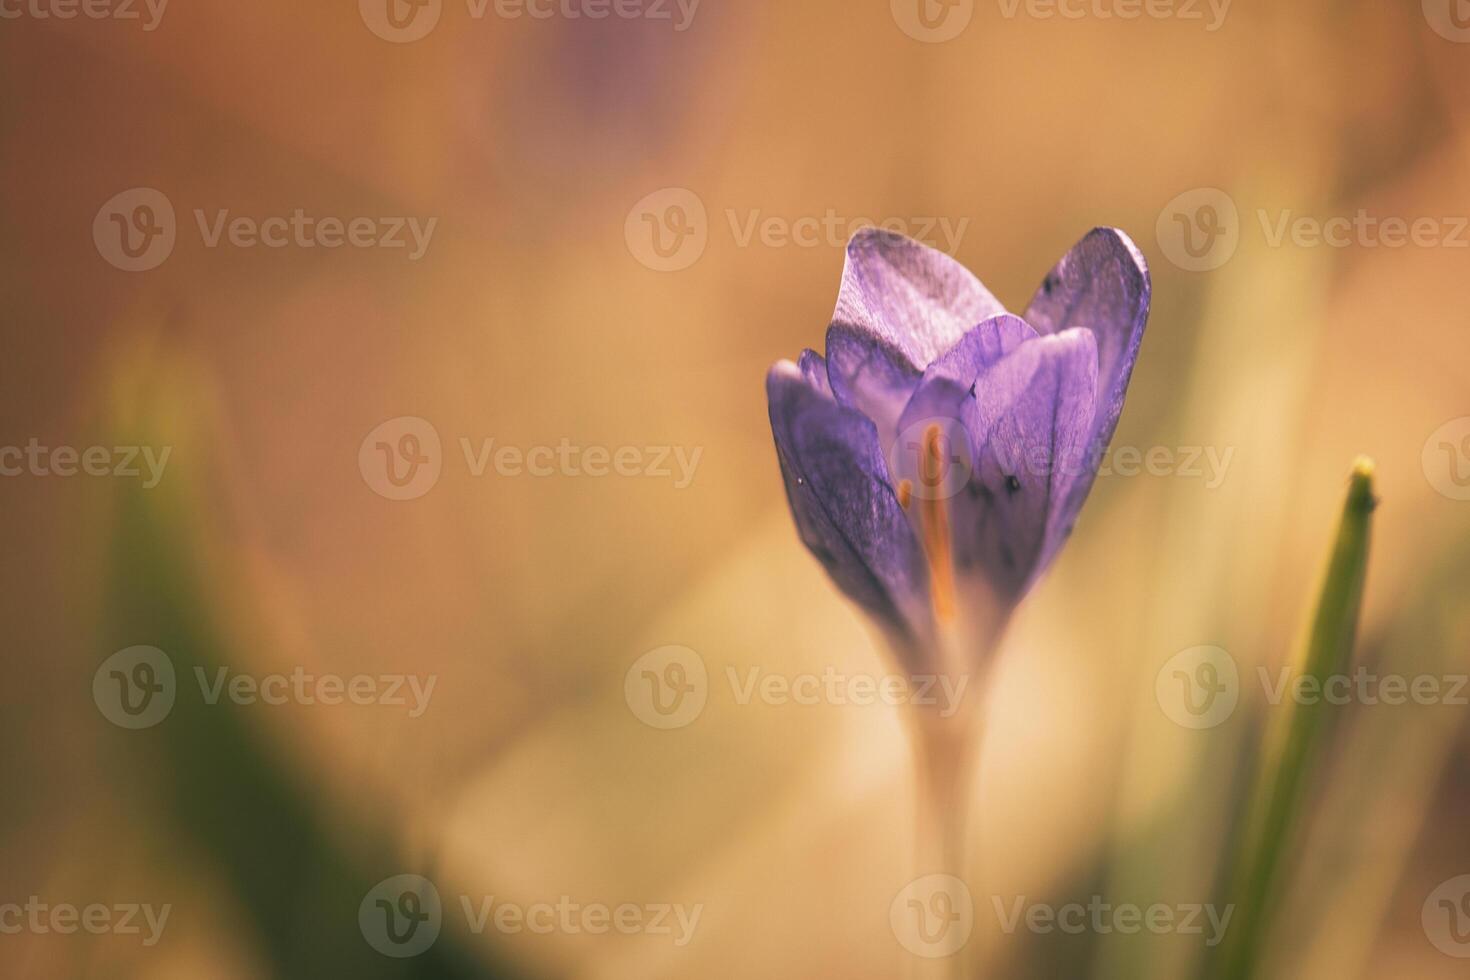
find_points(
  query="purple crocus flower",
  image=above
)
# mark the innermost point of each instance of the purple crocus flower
(936, 459)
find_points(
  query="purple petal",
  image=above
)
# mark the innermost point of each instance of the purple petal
(916, 299)
(962, 366)
(1029, 422)
(869, 374)
(814, 370)
(844, 505)
(1101, 284)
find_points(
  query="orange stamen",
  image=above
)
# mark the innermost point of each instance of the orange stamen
(934, 518)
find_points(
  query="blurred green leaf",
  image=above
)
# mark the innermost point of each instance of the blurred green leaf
(1295, 740)
(296, 866)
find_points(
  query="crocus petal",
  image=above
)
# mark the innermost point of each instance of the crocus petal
(845, 508)
(916, 299)
(1029, 422)
(1102, 284)
(946, 397)
(962, 366)
(870, 375)
(814, 370)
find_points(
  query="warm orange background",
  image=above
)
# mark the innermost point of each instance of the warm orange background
(530, 320)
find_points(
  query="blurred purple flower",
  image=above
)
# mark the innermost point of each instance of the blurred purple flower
(936, 459)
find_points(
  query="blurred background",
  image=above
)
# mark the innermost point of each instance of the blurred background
(621, 222)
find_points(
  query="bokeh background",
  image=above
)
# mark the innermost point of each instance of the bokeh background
(537, 315)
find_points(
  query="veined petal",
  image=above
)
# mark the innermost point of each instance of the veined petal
(916, 299)
(1102, 284)
(870, 375)
(844, 504)
(962, 366)
(1029, 421)
(814, 370)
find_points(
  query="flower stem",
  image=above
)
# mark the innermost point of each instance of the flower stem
(944, 754)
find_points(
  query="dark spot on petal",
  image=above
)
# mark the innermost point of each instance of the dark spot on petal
(1013, 485)
(1051, 282)
(972, 389)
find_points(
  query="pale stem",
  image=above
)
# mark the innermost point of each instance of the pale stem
(945, 751)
